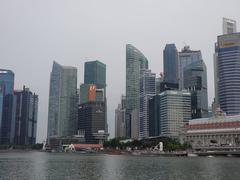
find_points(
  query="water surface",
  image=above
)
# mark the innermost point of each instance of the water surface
(57, 166)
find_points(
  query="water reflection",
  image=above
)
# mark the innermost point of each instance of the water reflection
(39, 165)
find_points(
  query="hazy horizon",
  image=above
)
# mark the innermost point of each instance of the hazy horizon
(35, 33)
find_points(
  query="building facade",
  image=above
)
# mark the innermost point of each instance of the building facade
(91, 122)
(95, 74)
(62, 110)
(214, 132)
(154, 116)
(195, 81)
(135, 61)
(170, 63)
(26, 117)
(227, 67)
(7, 107)
(120, 119)
(186, 57)
(147, 91)
(229, 26)
(175, 110)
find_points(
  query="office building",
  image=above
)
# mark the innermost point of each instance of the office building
(175, 110)
(154, 116)
(170, 63)
(186, 57)
(7, 107)
(227, 68)
(135, 61)
(195, 81)
(62, 110)
(95, 73)
(26, 117)
(147, 91)
(91, 122)
(120, 120)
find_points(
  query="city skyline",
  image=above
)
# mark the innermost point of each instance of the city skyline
(27, 42)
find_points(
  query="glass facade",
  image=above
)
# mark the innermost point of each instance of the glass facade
(7, 105)
(62, 111)
(170, 63)
(147, 91)
(95, 73)
(186, 57)
(227, 53)
(26, 117)
(195, 81)
(135, 61)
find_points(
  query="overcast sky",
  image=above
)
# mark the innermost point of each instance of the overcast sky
(33, 33)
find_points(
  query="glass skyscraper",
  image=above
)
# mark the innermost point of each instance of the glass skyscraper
(186, 57)
(147, 91)
(26, 117)
(62, 110)
(95, 73)
(227, 73)
(135, 61)
(7, 107)
(170, 63)
(195, 81)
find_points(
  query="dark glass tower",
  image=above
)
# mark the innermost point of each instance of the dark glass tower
(170, 62)
(95, 73)
(195, 81)
(7, 107)
(26, 117)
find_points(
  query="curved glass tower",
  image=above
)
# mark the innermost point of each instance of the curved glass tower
(135, 61)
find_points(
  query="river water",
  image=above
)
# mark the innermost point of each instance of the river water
(57, 166)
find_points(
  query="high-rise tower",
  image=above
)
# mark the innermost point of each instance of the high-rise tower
(62, 110)
(135, 61)
(186, 57)
(7, 107)
(170, 63)
(227, 70)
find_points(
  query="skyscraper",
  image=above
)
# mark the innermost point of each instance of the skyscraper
(95, 73)
(195, 81)
(62, 110)
(170, 63)
(147, 91)
(186, 57)
(154, 116)
(227, 71)
(135, 61)
(120, 120)
(175, 110)
(7, 107)
(26, 117)
(91, 121)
